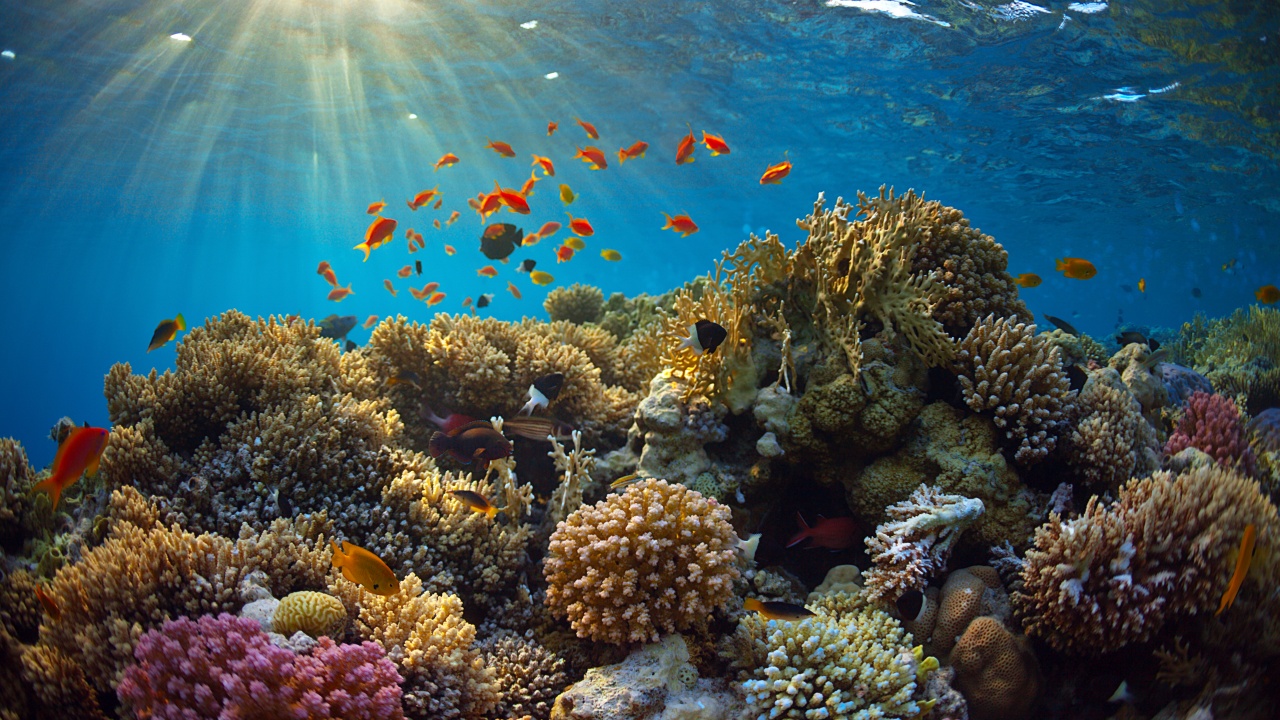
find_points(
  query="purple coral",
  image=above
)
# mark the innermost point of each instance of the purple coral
(226, 667)
(1182, 382)
(1211, 423)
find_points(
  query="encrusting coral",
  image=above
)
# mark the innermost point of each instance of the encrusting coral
(1212, 424)
(652, 559)
(1007, 370)
(1116, 573)
(1111, 441)
(916, 543)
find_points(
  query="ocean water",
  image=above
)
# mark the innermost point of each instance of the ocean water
(161, 157)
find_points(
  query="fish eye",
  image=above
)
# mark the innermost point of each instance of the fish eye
(376, 586)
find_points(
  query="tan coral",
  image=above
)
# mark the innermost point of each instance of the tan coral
(527, 675)
(1111, 441)
(310, 612)
(996, 671)
(16, 479)
(967, 593)
(20, 611)
(655, 558)
(576, 304)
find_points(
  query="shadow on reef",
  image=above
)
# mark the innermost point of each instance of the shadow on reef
(998, 522)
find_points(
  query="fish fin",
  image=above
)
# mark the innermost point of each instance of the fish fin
(181, 322)
(49, 486)
(821, 517)
(91, 470)
(339, 559)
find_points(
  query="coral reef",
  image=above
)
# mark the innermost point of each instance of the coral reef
(1079, 350)
(1110, 440)
(528, 677)
(310, 612)
(1182, 382)
(996, 671)
(1239, 354)
(968, 593)
(675, 432)
(16, 479)
(226, 667)
(576, 303)
(1134, 362)
(1117, 572)
(655, 558)
(1211, 423)
(916, 542)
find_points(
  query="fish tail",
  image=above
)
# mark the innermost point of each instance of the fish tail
(1059, 264)
(801, 536)
(365, 247)
(491, 512)
(52, 488)
(339, 560)
(181, 322)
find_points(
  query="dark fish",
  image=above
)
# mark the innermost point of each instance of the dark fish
(417, 265)
(1076, 376)
(543, 391)
(910, 605)
(1195, 293)
(537, 428)
(527, 266)
(1129, 337)
(484, 300)
(405, 377)
(1062, 325)
(704, 337)
(1127, 288)
(473, 441)
(475, 501)
(336, 327)
(500, 240)
(774, 610)
(351, 346)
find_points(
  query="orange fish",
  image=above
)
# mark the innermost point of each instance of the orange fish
(413, 247)
(548, 168)
(78, 454)
(338, 293)
(379, 233)
(684, 151)
(591, 129)
(514, 290)
(435, 299)
(1075, 268)
(1242, 568)
(501, 148)
(551, 127)
(446, 160)
(514, 201)
(488, 204)
(682, 224)
(363, 567)
(774, 173)
(1027, 280)
(417, 237)
(50, 607)
(487, 271)
(405, 271)
(408, 233)
(1267, 294)
(423, 198)
(580, 226)
(324, 265)
(467, 302)
(715, 144)
(564, 253)
(636, 150)
(436, 223)
(1142, 285)
(438, 205)
(425, 292)
(448, 250)
(370, 321)
(375, 208)
(453, 217)
(330, 277)
(527, 188)
(390, 288)
(166, 331)
(592, 155)
(547, 230)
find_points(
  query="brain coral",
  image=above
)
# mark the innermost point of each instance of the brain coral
(996, 670)
(314, 613)
(1009, 371)
(655, 558)
(1164, 548)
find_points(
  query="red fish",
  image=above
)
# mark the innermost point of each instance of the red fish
(50, 607)
(487, 271)
(564, 253)
(337, 294)
(446, 424)
(446, 160)
(425, 292)
(436, 223)
(580, 226)
(370, 321)
(380, 232)
(551, 127)
(78, 455)
(835, 533)
(435, 299)
(448, 250)
(682, 224)
(375, 208)
(547, 230)
(514, 201)
(324, 265)
(486, 204)
(548, 168)
(715, 144)
(390, 288)
(424, 197)
(774, 173)
(405, 271)
(527, 188)
(501, 148)
(591, 129)
(329, 276)
(439, 204)
(636, 150)
(592, 155)
(684, 152)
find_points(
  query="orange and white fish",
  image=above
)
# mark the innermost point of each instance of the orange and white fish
(636, 150)
(684, 151)
(446, 160)
(715, 144)
(78, 454)
(339, 293)
(580, 226)
(548, 167)
(1075, 268)
(514, 290)
(592, 155)
(774, 173)
(501, 148)
(591, 129)
(423, 198)
(375, 208)
(364, 568)
(682, 224)
(379, 233)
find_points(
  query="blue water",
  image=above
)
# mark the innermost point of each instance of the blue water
(142, 176)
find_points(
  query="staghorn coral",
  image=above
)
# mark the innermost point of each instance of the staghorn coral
(916, 542)
(1212, 424)
(576, 303)
(310, 612)
(654, 558)
(1009, 371)
(996, 670)
(851, 660)
(425, 635)
(1110, 441)
(1117, 572)
(226, 667)
(1239, 354)
(527, 675)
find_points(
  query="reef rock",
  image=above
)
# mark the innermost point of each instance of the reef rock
(675, 432)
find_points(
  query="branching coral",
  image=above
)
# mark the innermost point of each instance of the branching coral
(226, 667)
(1009, 371)
(527, 675)
(577, 304)
(710, 375)
(1212, 424)
(1240, 354)
(917, 541)
(1117, 572)
(655, 558)
(575, 469)
(1111, 441)
(16, 479)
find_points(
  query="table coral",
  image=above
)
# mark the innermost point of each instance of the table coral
(1005, 369)
(1163, 549)
(654, 558)
(226, 667)
(1212, 424)
(1110, 441)
(996, 670)
(916, 543)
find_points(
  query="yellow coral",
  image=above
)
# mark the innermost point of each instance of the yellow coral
(576, 304)
(314, 613)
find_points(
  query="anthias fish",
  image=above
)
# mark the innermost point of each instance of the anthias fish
(704, 337)
(684, 151)
(476, 441)
(78, 454)
(637, 149)
(775, 610)
(380, 232)
(1243, 559)
(543, 392)
(446, 160)
(475, 501)
(832, 533)
(166, 331)
(682, 224)
(774, 174)
(501, 148)
(715, 144)
(365, 569)
(589, 128)
(338, 294)
(593, 156)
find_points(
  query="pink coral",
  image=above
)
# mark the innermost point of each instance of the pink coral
(1211, 423)
(224, 666)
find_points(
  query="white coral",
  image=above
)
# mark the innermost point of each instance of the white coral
(916, 542)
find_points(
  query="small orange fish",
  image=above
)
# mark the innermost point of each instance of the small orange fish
(364, 568)
(405, 271)
(1243, 560)
(78, 454)
(390, 288)
(487, 271)
(551, 127)
(564, 253)
(379, 233)
(488, 204)
(684, 151)
(592, 155)
(324, 265)
(501, 148)
(370, 321)
(636, 150)
(715, 144)
(423, 198)
(436, 223)
(413, 247)
(337, 294)
(1027, 280)
(1075, 268)
(1142, 285)
(375, 208)
(408, 233)
(330, 277)
(453, 217)
(530, 239)
(439, 204)
(448, 250)
(446, 160)
(591, 129)
(425, 292)
(774, 173)
(50, 607)
(514, 290)
(435, 299)
(467, 302)
(166, 331)
(580, 226)
(1267, 294)
(514, 201)
(682, 224)
(472, 500)
(548, 168)
(548, 229)
(527, 188)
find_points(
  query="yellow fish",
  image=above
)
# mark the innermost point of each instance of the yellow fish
(364, 568)
(1142, 285)
(541, 278)
(611, 255)
(575, 242)
(566, 195)
(1242, 568)
(1028, 280)
(624, 481)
